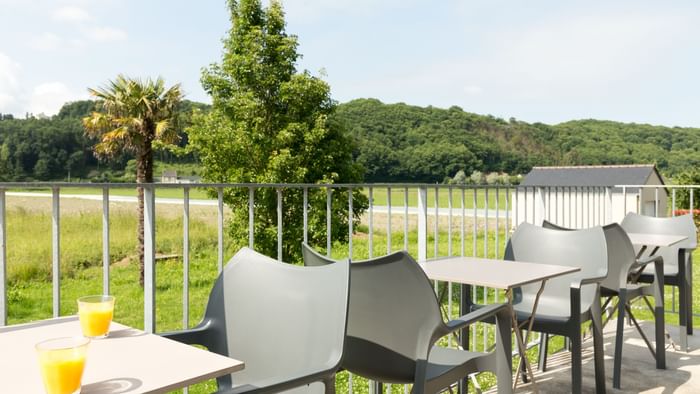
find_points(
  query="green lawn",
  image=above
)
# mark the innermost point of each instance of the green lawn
(397, 197)
(29, 251)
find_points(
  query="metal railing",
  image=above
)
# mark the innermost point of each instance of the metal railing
(486, 214)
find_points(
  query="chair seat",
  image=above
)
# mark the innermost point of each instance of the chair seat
(550, 308)
(445, 364)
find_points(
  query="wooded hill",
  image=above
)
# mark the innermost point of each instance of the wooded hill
(399, 142)
(394, 142)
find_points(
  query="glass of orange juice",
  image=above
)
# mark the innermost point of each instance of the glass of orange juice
(62, 361)
(95, 313)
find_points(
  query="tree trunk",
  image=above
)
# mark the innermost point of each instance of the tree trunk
(144, 174)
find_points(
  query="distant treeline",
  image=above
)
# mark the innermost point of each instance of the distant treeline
(399, 142)
(394, 142)
(55, 148)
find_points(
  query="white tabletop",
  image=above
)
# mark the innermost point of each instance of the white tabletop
(655, 240)
(498, 274)
(128, 361)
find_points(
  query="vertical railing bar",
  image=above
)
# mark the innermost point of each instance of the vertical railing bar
(484, 327)
(549, 203)
(449, 222)
(692, 205)
(329, 202)
(588, 205)
(474, 238)
(506, 230)
(673, 202)
(461, 230)
(149, 271)
(105, 240)
(56, 251)
(656, 202)
(251, 217)
(556, 205)
(534, 206)
(280, 225)
(388, 221)
(569, 198)
(306, 214)
(405, 218)
(435, 225)
(516, 217)
(350, 222)
(3, 260)
(186, 257)
(371, 222)
(495, 247)
(624, 200)
(525, 204)
(422, 194)
(220, 225)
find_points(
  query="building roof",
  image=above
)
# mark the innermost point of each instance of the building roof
(638, 174)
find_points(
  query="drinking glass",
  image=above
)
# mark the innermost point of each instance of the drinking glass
(62, 361)
(95, 313)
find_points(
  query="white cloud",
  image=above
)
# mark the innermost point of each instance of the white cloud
(46, 42)
(71, 14)
(9, 84)
(48, 98)
(105, 33)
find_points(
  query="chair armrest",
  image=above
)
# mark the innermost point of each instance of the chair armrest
(475, 316)
(192, 336)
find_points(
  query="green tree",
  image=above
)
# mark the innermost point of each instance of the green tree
(270, 124)
(690, 177)
(132, 114)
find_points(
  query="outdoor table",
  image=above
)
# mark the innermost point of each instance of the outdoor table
(655, 241)
(127, 361)
(498, 274)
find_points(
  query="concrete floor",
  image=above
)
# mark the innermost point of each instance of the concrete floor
(639, 374)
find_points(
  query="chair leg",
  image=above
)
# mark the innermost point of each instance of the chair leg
(618, 337)
(329, 385)
(598, 356)
(544, 346)
(576, 377)
(683, 301)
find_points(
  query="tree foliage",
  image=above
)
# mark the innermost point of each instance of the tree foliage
(131, 115)
(270, 124)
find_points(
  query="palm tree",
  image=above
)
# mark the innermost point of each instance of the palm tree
(133, 114)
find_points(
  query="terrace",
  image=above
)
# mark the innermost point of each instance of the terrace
(427, 220)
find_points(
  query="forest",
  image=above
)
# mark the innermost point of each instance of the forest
(393, 142)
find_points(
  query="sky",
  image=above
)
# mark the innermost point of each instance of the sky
(536, 61)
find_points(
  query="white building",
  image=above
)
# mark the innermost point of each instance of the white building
(583, 196)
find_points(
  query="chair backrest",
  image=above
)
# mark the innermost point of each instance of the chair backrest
(394, 316)
(279, 318)
(585, 249)
(676, 225)
(620, 253)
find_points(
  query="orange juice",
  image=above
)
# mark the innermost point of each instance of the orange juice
(62, 362)
(95, 313)
(95, 321)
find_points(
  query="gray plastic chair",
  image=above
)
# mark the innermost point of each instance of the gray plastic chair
(287, 323)
(622, 262)
(394, 322)
(569, 300)
(677, 258)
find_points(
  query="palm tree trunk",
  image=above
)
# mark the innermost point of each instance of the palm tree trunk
(144, 174)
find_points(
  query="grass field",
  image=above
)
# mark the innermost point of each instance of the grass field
(29, 262)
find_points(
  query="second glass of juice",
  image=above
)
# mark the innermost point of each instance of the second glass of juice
(95, 313)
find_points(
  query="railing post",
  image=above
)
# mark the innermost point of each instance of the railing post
(186, 258)
(609, 201)
(422, 223)
(371, 222)
(149, 260)
(3, 261)
(329, 224)
(251, 217)
(105, 240)
(305, 214)
(56, 251)
(220, 229)
(279, 225)
(350, 223)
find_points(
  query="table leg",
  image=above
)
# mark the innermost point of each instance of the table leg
(519, 339)
(465, 303)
